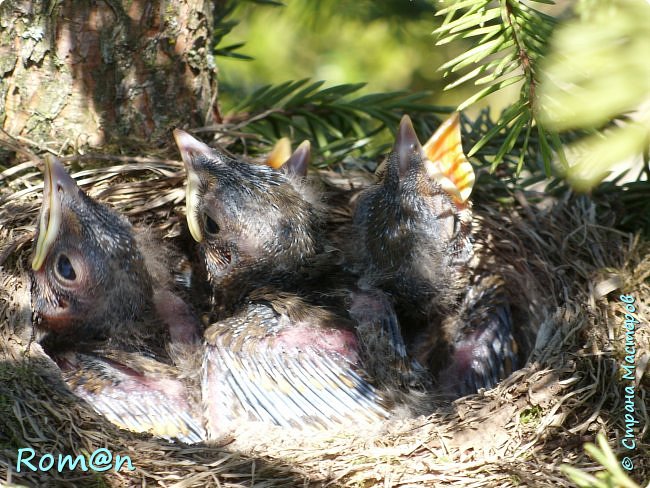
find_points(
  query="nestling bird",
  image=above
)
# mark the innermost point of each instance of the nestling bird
(376, 323)
(253, 225)
(277, 355)
(105, 314)
(413, 240)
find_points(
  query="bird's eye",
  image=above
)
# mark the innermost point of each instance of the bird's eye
(64, 268)
(211, 227)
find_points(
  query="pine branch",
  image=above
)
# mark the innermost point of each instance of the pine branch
(596, 79)
(338, 119)
(512, 39)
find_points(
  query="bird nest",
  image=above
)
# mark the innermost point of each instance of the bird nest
(566, 265)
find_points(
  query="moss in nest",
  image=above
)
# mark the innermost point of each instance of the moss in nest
(531, 416)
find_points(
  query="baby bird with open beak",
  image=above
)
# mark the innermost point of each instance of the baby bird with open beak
(105, 314)
(414, 241)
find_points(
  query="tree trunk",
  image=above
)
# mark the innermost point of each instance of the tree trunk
(95, 72)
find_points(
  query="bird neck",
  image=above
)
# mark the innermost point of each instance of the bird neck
(314, 275)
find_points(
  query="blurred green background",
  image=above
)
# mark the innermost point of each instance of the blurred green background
(387, 45)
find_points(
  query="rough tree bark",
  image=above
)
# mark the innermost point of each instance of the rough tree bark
(93, 72)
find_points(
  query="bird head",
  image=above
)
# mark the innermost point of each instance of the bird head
(246, 217)
(88, 275)
(415, 222)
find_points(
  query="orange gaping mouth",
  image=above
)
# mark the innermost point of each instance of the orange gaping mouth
(446, 163)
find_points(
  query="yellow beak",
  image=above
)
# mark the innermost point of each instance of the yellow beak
(185, 143)
(50, 217)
